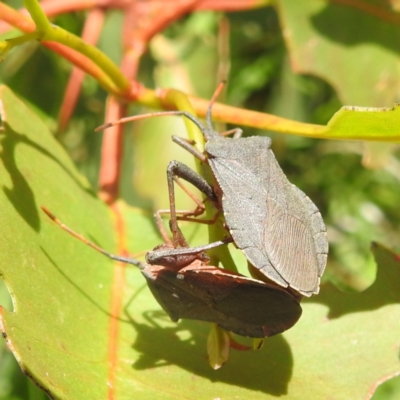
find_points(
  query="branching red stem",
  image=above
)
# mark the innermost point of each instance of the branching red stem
(90, 34)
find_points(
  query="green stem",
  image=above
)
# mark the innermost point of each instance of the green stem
(7, 45)
(182, 103)
(38, 16)
(66, 38)
(45, 31)
(21, 39)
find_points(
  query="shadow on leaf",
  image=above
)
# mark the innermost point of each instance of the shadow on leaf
(384, 291)
(270, 371)
(21, 194)
(350, 34)
(81, 290)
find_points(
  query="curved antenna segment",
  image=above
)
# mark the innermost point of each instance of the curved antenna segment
(186, 114)
(210, 130)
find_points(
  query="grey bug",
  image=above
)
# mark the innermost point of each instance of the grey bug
(274, 223)
(279, 229)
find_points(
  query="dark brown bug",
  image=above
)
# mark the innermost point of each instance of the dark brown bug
(186, 287)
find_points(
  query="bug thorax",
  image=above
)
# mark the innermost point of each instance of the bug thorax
(166, 256)
(211, 134)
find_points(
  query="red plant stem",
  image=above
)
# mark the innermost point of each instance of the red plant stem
(79, 60)
(164, 19)
(26, 24)
(116, 303)
(56, 7)
(111, 149)
(131, 53)
(229, 5)
(14, 18)
(111, 153)
(111, 157)
(53, 8)
(90, 34)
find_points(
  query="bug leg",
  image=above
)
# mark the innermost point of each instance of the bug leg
(177, 169)
(236, 132)
(211, 221)
(182, 215)
(161, 227)
(189, 146)
(178, 258)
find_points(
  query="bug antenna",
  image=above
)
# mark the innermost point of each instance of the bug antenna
(154, 114)
(114, 257)
(210, 105)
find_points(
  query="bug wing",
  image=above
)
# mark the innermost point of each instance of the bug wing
(295, 234)
(235, 164)
(256, 309)
(175, 296)
(317, 228)
(236, 303)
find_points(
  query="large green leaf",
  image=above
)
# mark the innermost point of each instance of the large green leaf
(54, 284)
(85, 328)
(352, 45)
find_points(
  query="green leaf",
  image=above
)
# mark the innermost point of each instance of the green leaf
(61, 293)
(352, 45)
(365, 123)
(84, 327)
